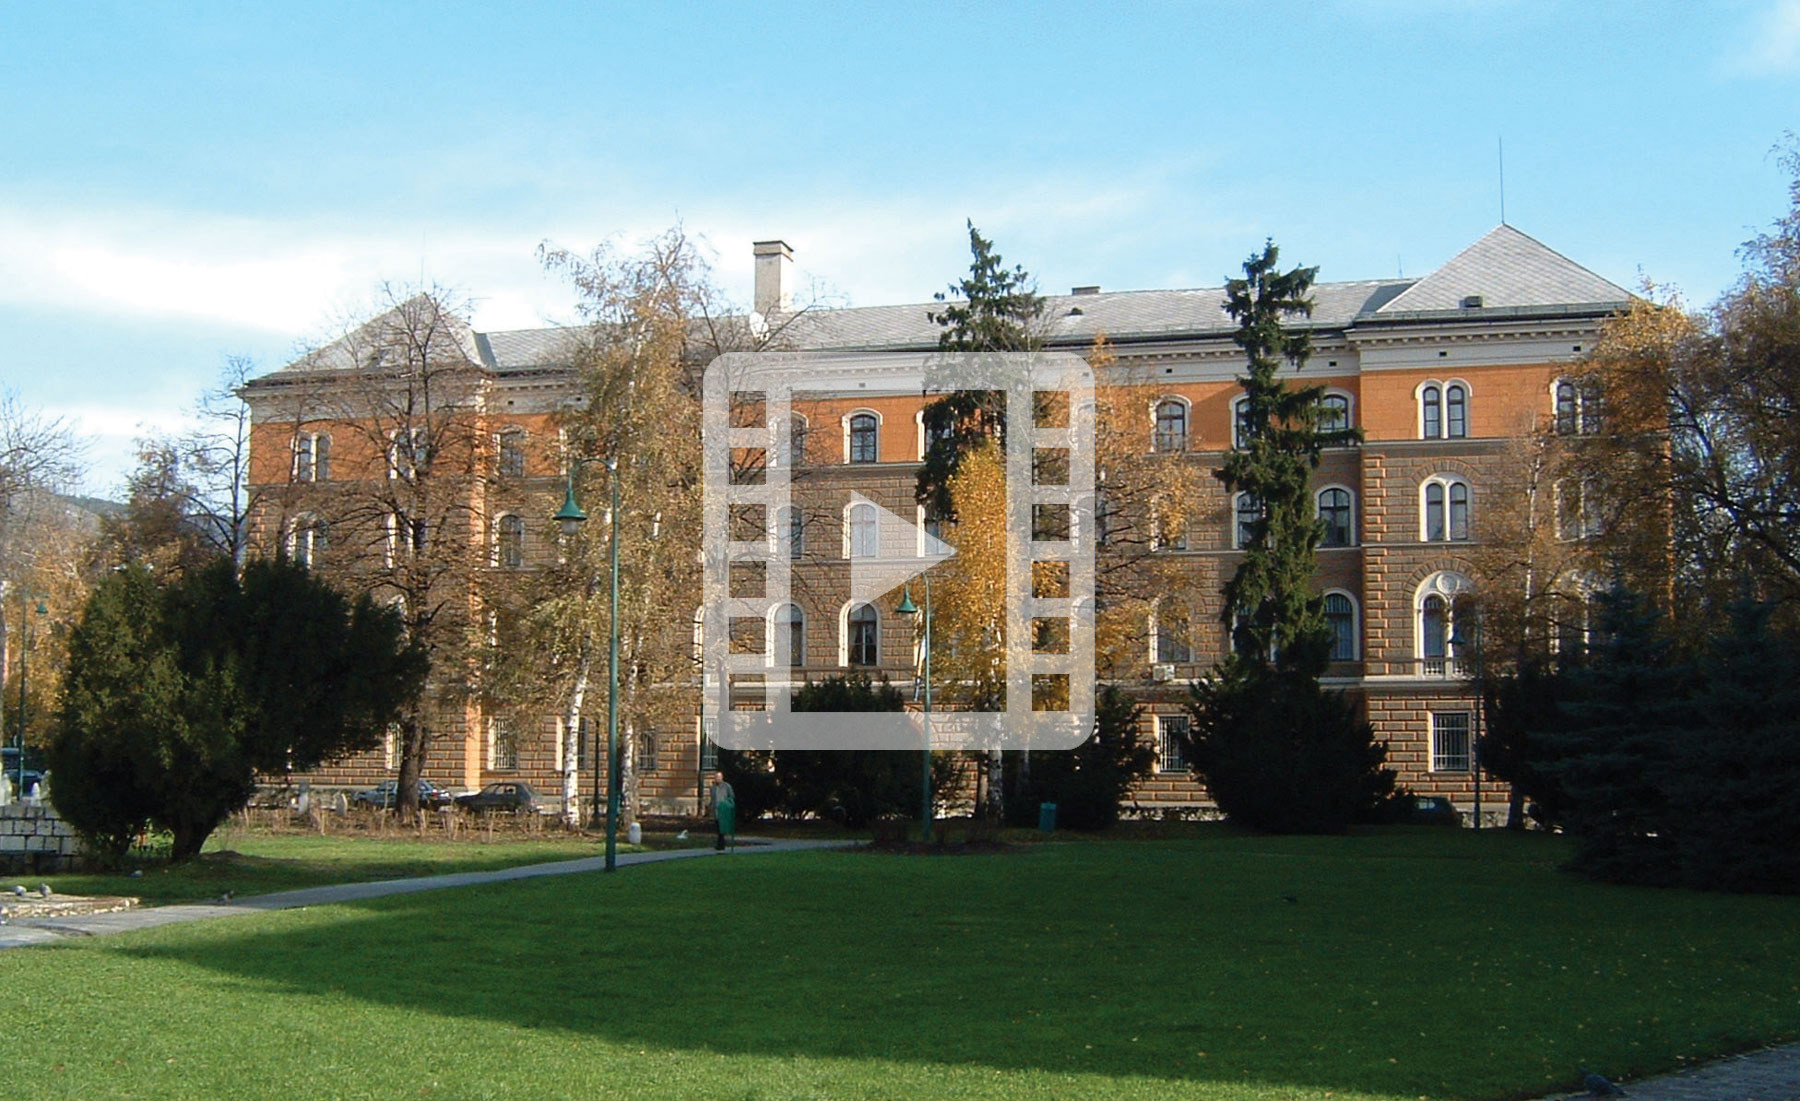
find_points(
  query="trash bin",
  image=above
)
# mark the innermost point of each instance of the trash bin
(1047, 817)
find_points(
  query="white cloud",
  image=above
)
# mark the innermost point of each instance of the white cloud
(270, 275)
(1776, 45)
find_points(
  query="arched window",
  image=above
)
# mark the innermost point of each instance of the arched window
(1340, 617)
(1241, 428)
(1441, 638)
(1336, 510)
(312, 457)
(796, 532)
(1170, 630)
(1567, 408)
(1445, 512)
(1171, 425)
(1577, 407)
(306, 541)
(860, 637)
(864, 540)
(1249, 513)
(865, 438)
(510, 461)
(1334, 413)
(1456, 411)
(1431, 411)
(788, 630)
(509, 544)
(797, 430)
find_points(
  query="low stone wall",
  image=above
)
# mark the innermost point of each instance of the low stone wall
(33, 837)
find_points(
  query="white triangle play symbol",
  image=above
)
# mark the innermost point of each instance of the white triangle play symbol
(887, 550)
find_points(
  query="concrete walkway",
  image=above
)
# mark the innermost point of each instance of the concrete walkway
(47, 930)
(1769, 1075)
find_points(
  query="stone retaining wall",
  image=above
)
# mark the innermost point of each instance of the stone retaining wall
(33, 837)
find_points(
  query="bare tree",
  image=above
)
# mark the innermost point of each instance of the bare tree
(399, 402)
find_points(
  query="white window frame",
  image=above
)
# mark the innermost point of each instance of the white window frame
(498, 558)
(1447, 483)
(1319, 512)
(306, 447)
(1237, 422)
(1165, 730)
(496, 724)
(1349, 405)
(1355, 623)
(1583, 422)
(853, 547)
(1157, 440)
(1450, 587)
(1444, 725)
(775, 625)
(502, 452)
(848, 450)
(1157, 657)
(1238, 539)
(844, 634)
(1443, 408)
(307, 537)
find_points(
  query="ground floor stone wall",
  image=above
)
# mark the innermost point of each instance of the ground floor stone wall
(33, 837)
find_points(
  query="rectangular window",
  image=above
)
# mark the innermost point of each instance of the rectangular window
(312, 457)
(1171, 637)
(1171, 732)
(1451, 748)
(709, 749)
(647, 759)
(503, 746)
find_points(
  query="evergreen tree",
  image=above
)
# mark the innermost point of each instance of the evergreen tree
(1621, 719)
(851, 786)
(1088, 783)
(1276, 751)
(179, 692)
(992, 309)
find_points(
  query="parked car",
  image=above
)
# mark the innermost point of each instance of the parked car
(1424, 810)
(384, 796)
(502, 795)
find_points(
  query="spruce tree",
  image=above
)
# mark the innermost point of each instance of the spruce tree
(1276, 751)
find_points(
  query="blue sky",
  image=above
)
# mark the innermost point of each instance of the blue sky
(187, 181)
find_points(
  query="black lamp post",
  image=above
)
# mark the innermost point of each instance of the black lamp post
(24, 648)
(571, 517)
(1459, 643)
(908, 608)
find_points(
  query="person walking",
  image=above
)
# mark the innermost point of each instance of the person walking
(724, 804)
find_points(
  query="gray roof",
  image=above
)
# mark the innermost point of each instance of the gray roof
(1509, 270)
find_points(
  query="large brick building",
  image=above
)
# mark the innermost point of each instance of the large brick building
(1441, 374)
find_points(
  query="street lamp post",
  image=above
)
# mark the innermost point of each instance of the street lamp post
(24, 648)
(907, 608)
(1459, 644)
(571, 517)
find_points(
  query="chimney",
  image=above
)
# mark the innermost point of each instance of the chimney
(774, 277)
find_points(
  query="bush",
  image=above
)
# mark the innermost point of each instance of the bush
(1087, 783)
(1280, 754)
(850, 787)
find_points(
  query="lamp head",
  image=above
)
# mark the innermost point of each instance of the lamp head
(907, 607)
(570, 517)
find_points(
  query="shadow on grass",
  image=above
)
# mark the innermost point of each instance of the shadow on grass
(1400, 963)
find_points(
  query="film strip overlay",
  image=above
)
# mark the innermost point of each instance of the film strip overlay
(748, 404)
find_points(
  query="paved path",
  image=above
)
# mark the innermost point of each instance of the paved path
(1771, 1075)
(47, 930)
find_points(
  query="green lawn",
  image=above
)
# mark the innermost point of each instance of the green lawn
(1400, 964)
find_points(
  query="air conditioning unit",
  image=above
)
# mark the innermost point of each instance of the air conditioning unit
(1162, 672)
